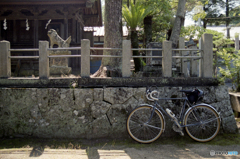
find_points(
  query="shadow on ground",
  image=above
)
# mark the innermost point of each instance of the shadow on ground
(176, 147)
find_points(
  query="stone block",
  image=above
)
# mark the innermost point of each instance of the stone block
(83, 98)
(99, 108)
(117, 95)
(98, 94)
(229, 125)
(101, 127)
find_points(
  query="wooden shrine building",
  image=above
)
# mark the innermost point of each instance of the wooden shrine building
(25, 22)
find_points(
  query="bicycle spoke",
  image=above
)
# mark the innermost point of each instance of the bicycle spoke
(138, 127)
(206, 128)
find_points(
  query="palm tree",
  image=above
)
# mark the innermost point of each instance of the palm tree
(134, 16)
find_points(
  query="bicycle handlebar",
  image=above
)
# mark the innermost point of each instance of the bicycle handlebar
(149, 95)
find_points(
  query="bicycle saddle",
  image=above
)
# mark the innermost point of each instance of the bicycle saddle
(193, 95)
(187, 91)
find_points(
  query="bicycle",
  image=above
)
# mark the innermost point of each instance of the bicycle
(146, 123)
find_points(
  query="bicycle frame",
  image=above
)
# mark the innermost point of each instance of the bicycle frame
(147, 122)
(182, 115)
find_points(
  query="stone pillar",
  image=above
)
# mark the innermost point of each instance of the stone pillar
(126, 58)
(184, 68)
(237, 43)
(207, 56)
(59, 65)
(167, 59)
(85, 58)
(5, 61)
(43, 60)
(194, 63)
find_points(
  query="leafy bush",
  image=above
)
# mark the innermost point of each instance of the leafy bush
(231, 61)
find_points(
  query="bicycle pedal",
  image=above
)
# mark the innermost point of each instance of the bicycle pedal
(181, 133)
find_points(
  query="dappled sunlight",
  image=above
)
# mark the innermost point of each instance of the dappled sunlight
(110, 154)
(25, 153)
(113, 151)
(89, 153)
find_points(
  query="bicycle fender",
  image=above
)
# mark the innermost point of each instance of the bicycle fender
(204, 104)
(159, 112)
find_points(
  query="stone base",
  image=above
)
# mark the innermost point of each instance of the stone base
(59, 70)
(59, 65)
(92, 112)
(59, 61)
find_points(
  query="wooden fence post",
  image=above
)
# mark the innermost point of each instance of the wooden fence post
(167, 59)
(194, 63)
(126, 58)
(237, 43)
(184, 67)
(43, 60)
(207, 56)
(85, 58)
(5, 61)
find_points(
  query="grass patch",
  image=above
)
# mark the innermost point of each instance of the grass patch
(225, 139)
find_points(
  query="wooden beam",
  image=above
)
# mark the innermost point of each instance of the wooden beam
(41, 2)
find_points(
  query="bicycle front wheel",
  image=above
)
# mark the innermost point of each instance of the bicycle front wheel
(140, 128)
(204, 123)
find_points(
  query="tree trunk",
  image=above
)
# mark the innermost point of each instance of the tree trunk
(227, 21)
(204, 24)
(178, 23)
(134, 40)
(148, 30)
(112, 39)
(204, 20)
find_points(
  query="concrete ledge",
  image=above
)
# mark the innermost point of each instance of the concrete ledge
(104, 82)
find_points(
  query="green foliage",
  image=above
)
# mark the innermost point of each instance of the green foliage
(231, 61)
(219, 40)
(162, 14)
(212, 12)
(198, 11)
(192, 31)
(135, 14)
(235, 13)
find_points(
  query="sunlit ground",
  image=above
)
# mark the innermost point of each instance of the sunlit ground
(164, 147)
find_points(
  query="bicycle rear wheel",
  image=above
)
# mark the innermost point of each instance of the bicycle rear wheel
(139, 129)
(206, 123)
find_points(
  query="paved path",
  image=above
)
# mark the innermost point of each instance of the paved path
(110, 150)
(194, 151)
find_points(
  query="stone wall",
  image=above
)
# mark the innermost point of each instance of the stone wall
(90, 112)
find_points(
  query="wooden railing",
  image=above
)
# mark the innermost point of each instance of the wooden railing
(206, 57)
